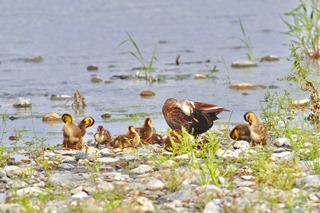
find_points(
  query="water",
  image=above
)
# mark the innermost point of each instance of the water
(70, 35)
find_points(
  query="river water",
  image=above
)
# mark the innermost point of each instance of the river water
(70, 35)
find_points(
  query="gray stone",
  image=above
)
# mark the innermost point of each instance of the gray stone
(64, 178)
(128, 157)
(66, 166)
(29, 191)
(282, 156)
(213, 207)
(106, 152)
(154, 184)
(243, 64)
(141, 169)
(169, 164)
(12, 208)
(10, 169)
(309, 181)
(96, 79)
(3, 173)
(76, 190)
(279, 142)
(81, 156)
(244, 145)
(186, 195)
(108, 160)
(80, 195)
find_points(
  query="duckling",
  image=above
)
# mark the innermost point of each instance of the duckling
(173, 137)
(131, 139)
(155, 138)
(102, 136)
(72, 134)
(196, 117)
(146, 131)
(241, 132)
(258, 131)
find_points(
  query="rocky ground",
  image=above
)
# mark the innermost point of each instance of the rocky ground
(149, 179)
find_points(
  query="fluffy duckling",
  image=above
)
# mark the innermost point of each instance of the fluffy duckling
(173, 137)
(102, 136)
(196, 117)
(131, 139)
(72, 134)
(146, 131)
(258, 131)
(241, 132)
(155, 138)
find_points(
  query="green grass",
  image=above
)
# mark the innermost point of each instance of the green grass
(246, 41)
(304, 26)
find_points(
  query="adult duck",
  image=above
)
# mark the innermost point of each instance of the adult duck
(196, 117)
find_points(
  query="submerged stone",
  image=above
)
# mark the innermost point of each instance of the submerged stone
(147, 93)
(51, 117)
(244, 86)
(243, 64)
(92, 68)
(96, 79)
(60, 97)
(22, 102)
(269, 58)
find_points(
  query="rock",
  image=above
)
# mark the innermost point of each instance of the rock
(147, 93)
(66, 166)
(201, 76)
(34, 60)
(22, 102)
(141, 169)
(282, 156)
(2, 173)
(309, 181)
(243, 145)
(80, 195)
(33, 191)
(279, 142)
(81, 156)
(11, 208)
(92, 68)
(301, 103)
(59, 178)
(153, 184)
(186, 195)
(269, 58)
(60, 97)
(106, 152)
(108, 160)
(96, 79)
(246, 86)
(243, 64)
(213, 207)
(51, 117)
(169, 164)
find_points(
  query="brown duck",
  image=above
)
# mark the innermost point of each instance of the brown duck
(72, 134)
(258, 131)
(102, 136)
(196, 117)
(241, 132)
(131, 139)
(146, 131)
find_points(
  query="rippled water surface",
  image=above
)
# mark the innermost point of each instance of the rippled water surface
(70, 35)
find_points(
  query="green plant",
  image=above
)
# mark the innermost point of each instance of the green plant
(246, 41)
(146, 66)
(305, 26)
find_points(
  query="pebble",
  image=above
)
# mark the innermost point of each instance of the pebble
(147, 93)
(80, 195)
(66, 166)
(269, 58)
(141, 169)
(92, 68)
(309, 181)
(96, 79)
(213, 206)
(243, 64)
(280, 142)
(154, 184)
(243, 145)
(51, 117)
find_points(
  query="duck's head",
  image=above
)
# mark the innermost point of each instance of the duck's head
(234, 134)
(148, 122)
(89, 121)
(250, 117)
(131, 129)
(66, 118)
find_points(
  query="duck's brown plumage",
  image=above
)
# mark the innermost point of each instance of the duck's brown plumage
(173, 137)
(146, 131)
(258, 131)
(241, 132)
(131, 139)
(102, 136)
(72, 134)
(196, 117)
